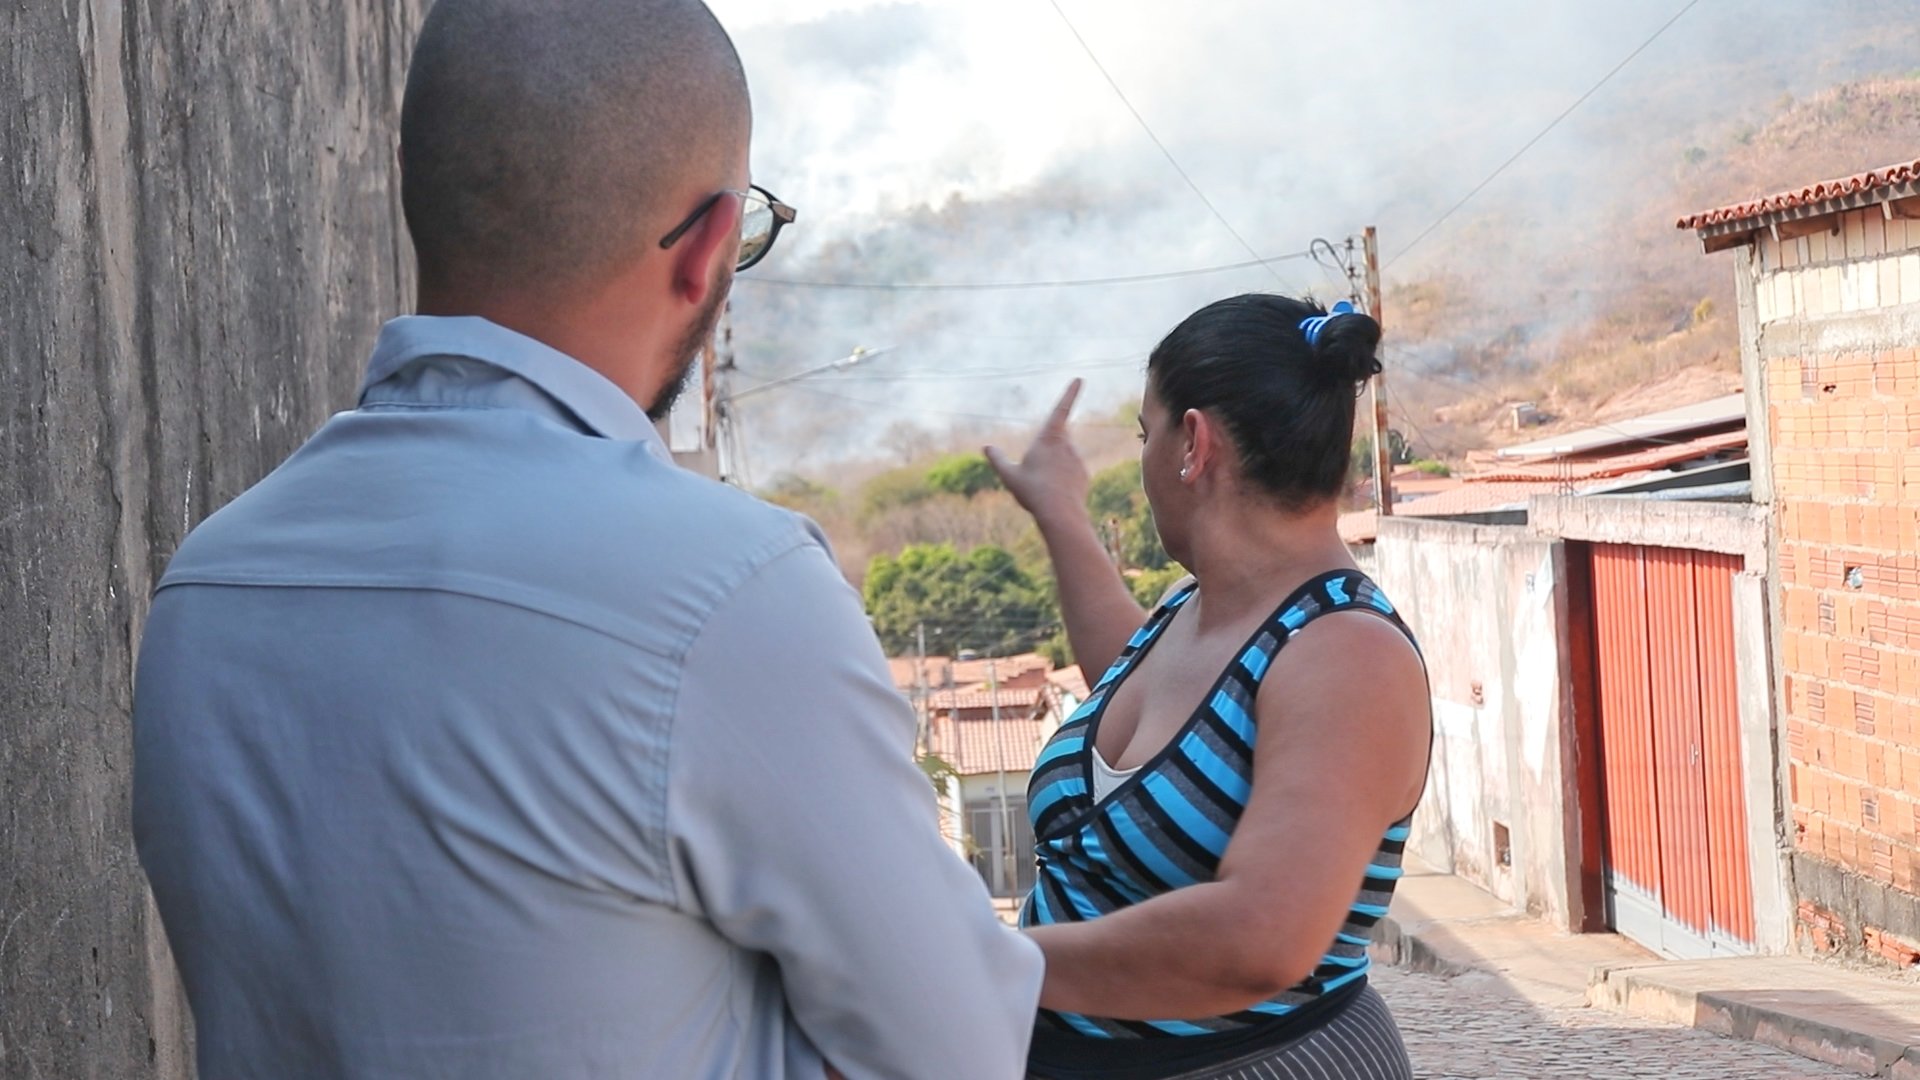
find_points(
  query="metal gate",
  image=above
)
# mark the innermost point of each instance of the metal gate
(1673, 813)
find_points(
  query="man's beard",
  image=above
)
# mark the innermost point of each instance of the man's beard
(687, 351)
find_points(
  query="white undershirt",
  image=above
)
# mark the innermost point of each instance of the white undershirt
(1106, 777)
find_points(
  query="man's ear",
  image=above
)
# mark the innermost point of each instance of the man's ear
(698, 257)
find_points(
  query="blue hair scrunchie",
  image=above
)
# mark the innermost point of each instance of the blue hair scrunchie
(1311, 327)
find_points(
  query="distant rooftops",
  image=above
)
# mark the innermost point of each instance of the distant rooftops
(1719, 412)
(1618, 456)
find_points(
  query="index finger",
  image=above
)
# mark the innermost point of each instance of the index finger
(1058, 418)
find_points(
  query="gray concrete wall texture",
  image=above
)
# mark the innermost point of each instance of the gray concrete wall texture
(200, 223)
(1489, 605)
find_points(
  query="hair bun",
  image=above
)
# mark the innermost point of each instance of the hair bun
(1347, 346)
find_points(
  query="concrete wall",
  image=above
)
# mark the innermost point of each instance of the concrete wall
(1835, 325)
(1729, 528)
(200, 224)
(1489, 604)
(1011, 867)
(1363, 557)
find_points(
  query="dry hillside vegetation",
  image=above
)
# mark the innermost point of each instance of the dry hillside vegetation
(1643, 320)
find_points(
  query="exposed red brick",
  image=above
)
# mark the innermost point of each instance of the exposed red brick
(1899, 950)
(1822, 929)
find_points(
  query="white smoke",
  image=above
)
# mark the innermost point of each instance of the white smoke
(974, 141)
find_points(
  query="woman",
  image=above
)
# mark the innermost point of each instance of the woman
(1220, 825)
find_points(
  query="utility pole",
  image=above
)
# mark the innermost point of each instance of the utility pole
(1382, 449)
(920, 690)
(723, 425)
(733, 468)
(1004, 841)
(717, 352)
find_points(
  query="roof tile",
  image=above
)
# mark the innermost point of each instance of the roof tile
(1806, 196)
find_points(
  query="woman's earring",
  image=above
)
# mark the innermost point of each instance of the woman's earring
(1186, 472)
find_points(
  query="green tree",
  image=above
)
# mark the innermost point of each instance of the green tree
(979, 600)
(962, 474)
(1150, 586)
(1122, 516)
(893, 489)
(796, 492)
(1056, 649)
(937, 769)
(1398, 452)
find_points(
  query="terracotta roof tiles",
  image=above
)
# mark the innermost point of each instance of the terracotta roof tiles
(1020, 701)
(973, 747)
(1891, 176)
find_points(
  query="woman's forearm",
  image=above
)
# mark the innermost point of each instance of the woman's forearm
(1099, 611)
(1178, 956)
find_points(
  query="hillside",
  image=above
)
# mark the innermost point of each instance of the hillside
(1608, 313)
(1651, 318)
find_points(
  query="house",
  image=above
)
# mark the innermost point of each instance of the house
(1677, 691)
(1584, 601)
(985, 721)
(1667, 449)
(1828, 284)
(990, 739)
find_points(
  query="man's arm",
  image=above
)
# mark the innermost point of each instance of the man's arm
(803, 829)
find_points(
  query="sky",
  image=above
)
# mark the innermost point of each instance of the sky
(977, 142)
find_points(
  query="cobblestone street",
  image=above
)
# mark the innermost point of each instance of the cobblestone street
(1473, 1026)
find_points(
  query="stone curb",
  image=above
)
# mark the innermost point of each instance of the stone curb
(1399, 947)
(1638, 990)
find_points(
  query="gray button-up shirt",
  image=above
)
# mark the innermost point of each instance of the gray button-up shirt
(479, 740)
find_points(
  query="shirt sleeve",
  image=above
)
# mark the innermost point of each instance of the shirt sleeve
(802, 829)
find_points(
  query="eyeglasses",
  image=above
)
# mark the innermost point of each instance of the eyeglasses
(762, 216)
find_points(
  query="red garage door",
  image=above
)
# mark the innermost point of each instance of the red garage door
(1674, 814)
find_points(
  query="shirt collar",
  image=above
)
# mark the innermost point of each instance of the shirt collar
(589, 395)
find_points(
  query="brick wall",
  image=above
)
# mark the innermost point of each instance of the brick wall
(1870, 263)
(1844, 420)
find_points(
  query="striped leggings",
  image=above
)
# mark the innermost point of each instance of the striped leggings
(1362, 1043)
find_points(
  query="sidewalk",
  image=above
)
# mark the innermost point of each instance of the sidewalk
(1868, 1023)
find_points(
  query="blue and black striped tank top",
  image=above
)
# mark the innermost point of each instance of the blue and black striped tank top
(1168, 825)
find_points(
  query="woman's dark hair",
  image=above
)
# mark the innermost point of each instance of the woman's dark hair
(1288, 404)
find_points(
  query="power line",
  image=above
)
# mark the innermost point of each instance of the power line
(1068, 283)
(896, 406)
(1457, 382)
(1406, 415)
(1168, 154)
(1338, 265)
(1036, 626)
(1478, 388)
(1544, 132)
(985, 374)
(947, 335)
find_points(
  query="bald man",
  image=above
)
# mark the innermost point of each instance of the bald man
(480, 741)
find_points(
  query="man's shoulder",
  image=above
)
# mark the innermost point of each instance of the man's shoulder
(702, 520)
(719, 509)
(657, 545)
(573, 525)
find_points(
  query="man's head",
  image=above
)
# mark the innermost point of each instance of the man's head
(546, 148)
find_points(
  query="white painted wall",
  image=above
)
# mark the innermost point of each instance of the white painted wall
(1488, 606)
(984, 788)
